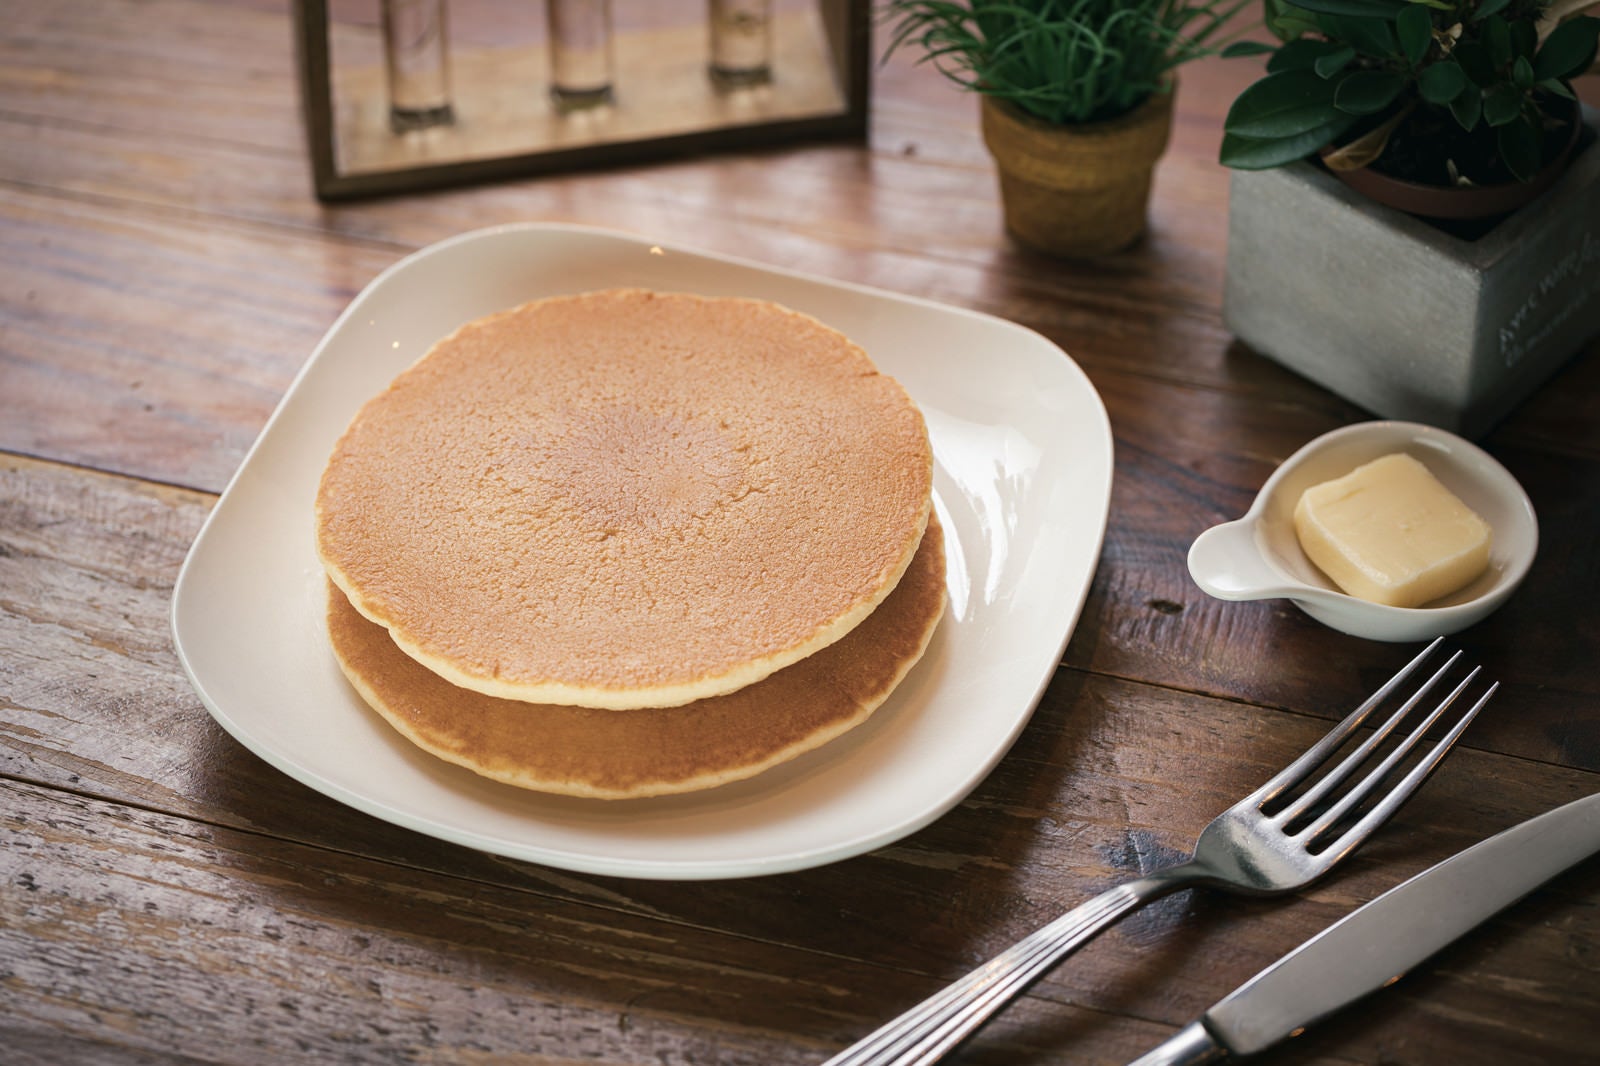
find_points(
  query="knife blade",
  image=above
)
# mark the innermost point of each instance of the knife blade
(1376, 944)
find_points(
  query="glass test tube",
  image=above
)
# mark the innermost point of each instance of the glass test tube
(416, 58)
(580, 53)
(741, 42)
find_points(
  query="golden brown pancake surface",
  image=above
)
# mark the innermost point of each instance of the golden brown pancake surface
(626, 499)
(603, 754)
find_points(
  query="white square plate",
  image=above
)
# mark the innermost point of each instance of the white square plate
(1022, 483)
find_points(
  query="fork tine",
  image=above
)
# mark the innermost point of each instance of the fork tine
(1319, 752)
(1402, 791)
(1374, 778)
(1336, 777)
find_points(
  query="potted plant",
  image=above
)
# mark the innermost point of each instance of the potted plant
(1076, 101)
(1415, 219)
(1426, 105)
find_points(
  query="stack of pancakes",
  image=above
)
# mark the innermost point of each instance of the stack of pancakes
(629, 543)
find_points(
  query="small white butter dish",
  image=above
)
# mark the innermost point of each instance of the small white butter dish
(1258, 557)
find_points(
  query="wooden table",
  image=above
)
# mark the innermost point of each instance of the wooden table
(167, 897)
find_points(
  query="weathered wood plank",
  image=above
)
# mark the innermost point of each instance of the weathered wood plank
(188, 938)
(183, 330)
(821, 213)
(156, 345)
(1152, 310)
(176, 938)
(1109, 779)
(164, 69)
(148, 348)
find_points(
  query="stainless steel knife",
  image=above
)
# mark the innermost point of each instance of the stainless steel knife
(1378, 943)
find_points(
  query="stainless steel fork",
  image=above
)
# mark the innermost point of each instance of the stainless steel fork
(1257, 847)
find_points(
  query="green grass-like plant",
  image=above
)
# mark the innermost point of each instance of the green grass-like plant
(1064, 61)
(1359, 74)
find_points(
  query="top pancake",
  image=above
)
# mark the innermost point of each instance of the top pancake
(626, 499)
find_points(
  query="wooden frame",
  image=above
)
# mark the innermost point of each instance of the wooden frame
(507, 128)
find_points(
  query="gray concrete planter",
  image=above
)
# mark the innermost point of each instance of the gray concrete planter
(1401, 318)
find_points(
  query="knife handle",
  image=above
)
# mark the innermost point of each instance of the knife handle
(1192, 1046)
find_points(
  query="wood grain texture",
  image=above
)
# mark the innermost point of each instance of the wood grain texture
(167, 897)
(1110, 779)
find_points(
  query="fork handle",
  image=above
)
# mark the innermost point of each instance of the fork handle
(930, 1030)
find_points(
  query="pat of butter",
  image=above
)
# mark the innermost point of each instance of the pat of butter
(1390, 533)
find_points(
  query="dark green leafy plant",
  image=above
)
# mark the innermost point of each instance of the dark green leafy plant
(1470, 82)
(1064, 61)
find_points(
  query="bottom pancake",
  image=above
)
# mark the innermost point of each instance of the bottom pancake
(606, 754)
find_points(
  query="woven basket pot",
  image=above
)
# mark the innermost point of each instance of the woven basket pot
(1077, 190)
